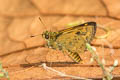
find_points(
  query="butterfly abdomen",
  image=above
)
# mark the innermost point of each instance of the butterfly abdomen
(75, 56)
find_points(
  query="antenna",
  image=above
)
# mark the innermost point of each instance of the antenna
(41, 20)
(35, 35)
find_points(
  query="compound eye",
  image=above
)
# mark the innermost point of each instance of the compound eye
(46, 36)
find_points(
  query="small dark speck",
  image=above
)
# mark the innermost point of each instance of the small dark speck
(78, 33)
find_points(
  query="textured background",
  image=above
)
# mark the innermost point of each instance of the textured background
(19, 20)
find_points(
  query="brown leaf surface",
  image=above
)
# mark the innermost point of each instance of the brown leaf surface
(19, 19)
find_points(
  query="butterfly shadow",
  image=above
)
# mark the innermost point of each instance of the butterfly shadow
(49, 64)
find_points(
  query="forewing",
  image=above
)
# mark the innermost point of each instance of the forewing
(86, 30)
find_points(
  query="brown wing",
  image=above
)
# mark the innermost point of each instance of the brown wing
(86, 30)
(72, 44)
(73, 40)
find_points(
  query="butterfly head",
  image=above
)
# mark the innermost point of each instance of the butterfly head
(48, 35)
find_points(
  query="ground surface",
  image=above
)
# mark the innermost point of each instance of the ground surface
(19, 20)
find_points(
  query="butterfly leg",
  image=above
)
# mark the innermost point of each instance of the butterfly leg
(50, 44)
